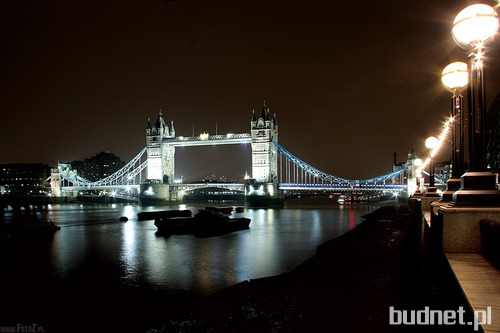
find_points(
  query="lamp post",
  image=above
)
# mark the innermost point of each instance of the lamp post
(431, 143)
(455, 78)
(417, 163)
(474, 27)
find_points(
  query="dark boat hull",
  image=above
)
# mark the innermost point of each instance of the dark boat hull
(221, 226)
(163, 214)
(205, 223)
(175, 226)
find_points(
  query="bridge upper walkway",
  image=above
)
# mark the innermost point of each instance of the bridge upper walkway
(206, 139)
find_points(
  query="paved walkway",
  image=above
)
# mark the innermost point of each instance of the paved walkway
(480, 283)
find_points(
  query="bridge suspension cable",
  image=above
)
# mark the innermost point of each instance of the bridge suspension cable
(125, 176)
(437, 178)
(128, 171)
(297, 171)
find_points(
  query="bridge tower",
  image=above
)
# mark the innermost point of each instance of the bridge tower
(55, 182)
(263, 188)
(161, 157)
(264, 130)
(411, 178)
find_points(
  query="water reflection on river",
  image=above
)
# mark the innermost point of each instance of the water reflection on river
(278, 240)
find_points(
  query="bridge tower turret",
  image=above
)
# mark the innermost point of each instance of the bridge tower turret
(264, 131)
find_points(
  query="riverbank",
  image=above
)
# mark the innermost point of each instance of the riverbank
(348, 286)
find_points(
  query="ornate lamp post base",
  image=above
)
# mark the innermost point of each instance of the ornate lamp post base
(431, 192)
(452, 186)
(477, 189)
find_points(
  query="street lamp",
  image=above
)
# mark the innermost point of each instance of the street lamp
(455, 78)
(431, 143)
(473, 27)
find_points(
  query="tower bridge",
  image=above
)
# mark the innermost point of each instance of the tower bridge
(151, 174)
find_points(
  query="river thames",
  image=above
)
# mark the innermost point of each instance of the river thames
(95, 257)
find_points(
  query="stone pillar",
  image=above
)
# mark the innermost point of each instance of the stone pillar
(154, 194)
(461, 229)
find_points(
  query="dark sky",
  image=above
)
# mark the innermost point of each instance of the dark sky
(350, 82)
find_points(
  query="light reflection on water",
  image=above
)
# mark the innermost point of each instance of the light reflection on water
(278, 240)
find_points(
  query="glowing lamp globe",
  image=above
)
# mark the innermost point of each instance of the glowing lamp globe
(455, 76)
(431, 142)
(475, 25)
(417, 162)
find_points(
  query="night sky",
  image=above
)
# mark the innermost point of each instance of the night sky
(350, 82)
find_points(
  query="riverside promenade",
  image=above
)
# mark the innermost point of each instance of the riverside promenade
(348, 286)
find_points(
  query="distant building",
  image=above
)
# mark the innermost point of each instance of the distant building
(99, 166)
(24, 179)
(213, 178)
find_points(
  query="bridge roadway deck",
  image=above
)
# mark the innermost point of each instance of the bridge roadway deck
(240, 186)
(99, 187)
(343, 187)
(229, 186)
